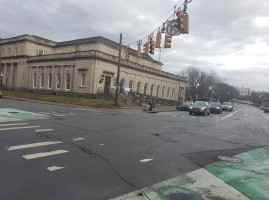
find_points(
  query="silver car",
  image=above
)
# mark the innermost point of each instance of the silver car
(227, 106)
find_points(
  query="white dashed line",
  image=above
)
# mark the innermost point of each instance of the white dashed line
(44, 154)
(146, 160)
(14, 128)
(54, 168)
(43, 130)
(78, 138)
(13, 124)
(25, 146)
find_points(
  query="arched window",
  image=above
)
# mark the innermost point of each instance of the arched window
(151, 90)
(131, 85)
(42, 80)
(173, 93)
(138, 87)
(145, 88)
(49, 80)
(67, 81)
(122, 82)
(34, 80)
(163, 91)
(158, 91)
(58, 81)
(168, 93)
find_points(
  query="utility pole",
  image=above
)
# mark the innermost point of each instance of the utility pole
(118, 75)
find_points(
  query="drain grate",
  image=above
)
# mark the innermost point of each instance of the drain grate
(230, 159)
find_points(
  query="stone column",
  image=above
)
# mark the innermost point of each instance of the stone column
(11, 76)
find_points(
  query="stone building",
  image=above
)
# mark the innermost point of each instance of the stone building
(83, 66)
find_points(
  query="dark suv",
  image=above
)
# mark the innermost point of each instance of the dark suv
(200, 107)
(215, 107)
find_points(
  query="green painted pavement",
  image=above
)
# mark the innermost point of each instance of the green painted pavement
(10, 114)
(250, 177)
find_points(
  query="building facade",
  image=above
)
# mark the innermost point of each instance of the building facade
(83, 66)
(243, 92)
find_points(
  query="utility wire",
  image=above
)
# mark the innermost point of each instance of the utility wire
(156, 22)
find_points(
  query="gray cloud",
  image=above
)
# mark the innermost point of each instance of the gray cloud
(219, 30)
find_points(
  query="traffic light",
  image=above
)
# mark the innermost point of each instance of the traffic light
(180, 21)
(139, 51)
(158, 40)
(167, 41)
(185, 23)
(126, 55)
(151, 47)
(146, 48)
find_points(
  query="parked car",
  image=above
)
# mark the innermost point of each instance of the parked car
(186, 106)
(227, 106)
(215, 107)
(200, 107)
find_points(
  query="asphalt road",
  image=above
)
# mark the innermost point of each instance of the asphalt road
(63, 153)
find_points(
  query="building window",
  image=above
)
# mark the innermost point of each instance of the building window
(16, 51)
(122, 82)
(138, 87)
(131, 84)
(158, 91)
(34, 80)
(82, 79)
(42, 80)
(145, 88)
(50, 81)
(163, 91)
(168, 93)
(58, 81)
(67, 81)
(173, 93)
(151, 90)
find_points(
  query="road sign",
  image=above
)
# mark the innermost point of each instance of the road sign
(171, 28)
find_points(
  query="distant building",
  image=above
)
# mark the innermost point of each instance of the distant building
(83, 66)
(243, 92)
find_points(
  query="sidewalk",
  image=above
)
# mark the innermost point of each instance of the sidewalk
(156, 109)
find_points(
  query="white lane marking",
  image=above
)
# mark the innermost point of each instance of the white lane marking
(200, 181)
(25, 146)
(97, 113)
(146, 160)
(101, 144)
(58, 115)
(13, 124)
(78, 138)
(22, 127)
(45, 113)
(227, 116)
(71, 114)
(183, 116)
(43, 130)
(53, 168)
(3, 119)
(265, 117)
(44, 154)
(193, 117)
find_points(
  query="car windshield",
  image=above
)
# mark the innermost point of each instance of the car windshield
(199, 103)
(227, 103)
(187, 103)
(215, 104)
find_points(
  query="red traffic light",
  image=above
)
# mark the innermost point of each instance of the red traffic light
(179, 14)
(151, 43)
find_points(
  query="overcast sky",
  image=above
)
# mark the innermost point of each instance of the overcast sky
(230, 37)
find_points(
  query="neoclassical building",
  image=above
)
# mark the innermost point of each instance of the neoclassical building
(83, 66)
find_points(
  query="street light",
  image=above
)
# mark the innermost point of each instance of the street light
(197, 91)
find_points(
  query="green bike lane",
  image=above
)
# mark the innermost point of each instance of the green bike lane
(222, 180)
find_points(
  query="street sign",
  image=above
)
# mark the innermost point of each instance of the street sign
(171, 28)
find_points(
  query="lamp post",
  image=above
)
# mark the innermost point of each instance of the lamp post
(197, 85)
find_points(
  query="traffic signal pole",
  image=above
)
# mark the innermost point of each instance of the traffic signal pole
(118, 75)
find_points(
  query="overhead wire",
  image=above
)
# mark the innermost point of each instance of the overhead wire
(129, 44)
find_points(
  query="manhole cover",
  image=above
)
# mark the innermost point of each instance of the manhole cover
(230, 159)
(13, 112)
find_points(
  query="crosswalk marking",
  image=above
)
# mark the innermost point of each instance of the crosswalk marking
(44, 154)
(21, 127)
(25, 146)
(43, 130)
(13, 124)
